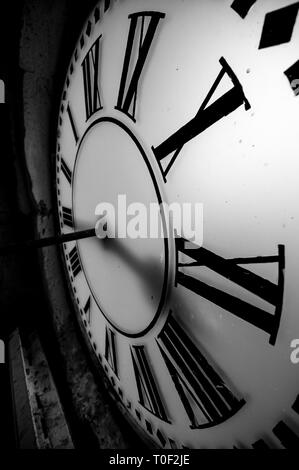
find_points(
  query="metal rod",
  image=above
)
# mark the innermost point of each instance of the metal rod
(43, 242)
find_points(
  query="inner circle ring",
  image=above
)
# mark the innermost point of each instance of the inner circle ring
(166, 242)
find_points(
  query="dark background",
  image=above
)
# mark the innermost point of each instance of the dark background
(24, 300)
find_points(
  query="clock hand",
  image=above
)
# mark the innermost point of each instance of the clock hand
(43, 242)
(206, 116)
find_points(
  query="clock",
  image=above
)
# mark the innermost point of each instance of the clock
(189, 104)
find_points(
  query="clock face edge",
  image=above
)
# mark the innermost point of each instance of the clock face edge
(83, 330)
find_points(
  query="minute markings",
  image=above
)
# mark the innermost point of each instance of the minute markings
(87, 310)
(205, 117)
(75, 261)
(72, 123)
(67, 217)
(66, 171)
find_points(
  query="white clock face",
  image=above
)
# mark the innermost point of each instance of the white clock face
(189, 102)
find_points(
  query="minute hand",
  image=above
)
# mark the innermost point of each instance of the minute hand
(205, 117)
(43, 242)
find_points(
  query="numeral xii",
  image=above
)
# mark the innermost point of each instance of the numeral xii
(143, 28)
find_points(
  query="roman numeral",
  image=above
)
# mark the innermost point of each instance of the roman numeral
(75, 261)
(239, 276)
(144, 25)
(205, 117)
(67, 217)
(87, 310)
(206, 398)
(90, 68)
(66, 171)
(72, 122)
(110, 350)
(148, 392)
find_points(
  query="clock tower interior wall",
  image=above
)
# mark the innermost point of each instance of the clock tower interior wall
(49, 30)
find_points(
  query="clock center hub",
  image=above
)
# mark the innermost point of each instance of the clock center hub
(127, 273)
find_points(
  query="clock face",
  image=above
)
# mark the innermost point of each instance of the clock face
(189, 102)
